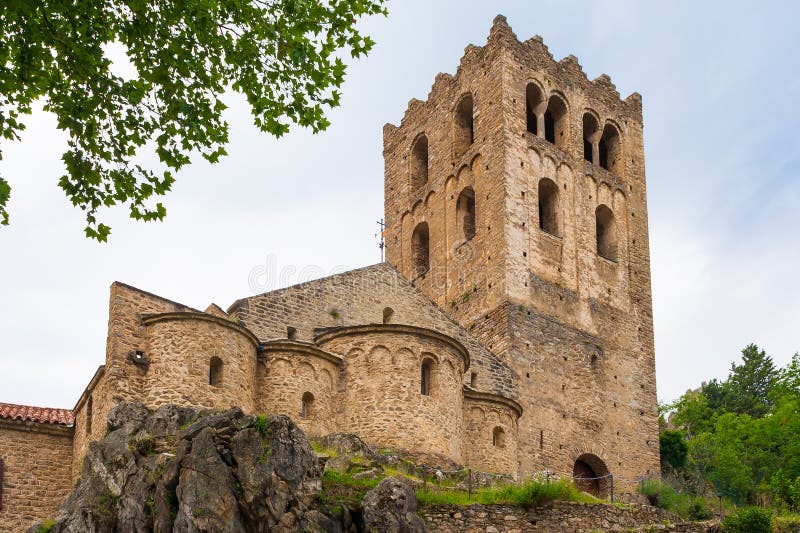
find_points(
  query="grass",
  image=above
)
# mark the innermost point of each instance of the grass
(532, 493)
(685, 505)
(322, 450)
(786, 523)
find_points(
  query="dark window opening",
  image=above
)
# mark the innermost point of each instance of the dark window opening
(387, 314)
(533, 99)
(549, 127)
(609, 148)
(464, 125)
(555, 121)
(291, 333)
(419, 162)
(606, 233)
(548, 206)
(426, 378)
(307, 406)
(215, 372)
(465, 213)
(420, 248)
(473, 380)
(590, 130)
(499, 437)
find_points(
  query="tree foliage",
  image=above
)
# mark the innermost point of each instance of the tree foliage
(744, 432)
(673, 448)
(284, 56)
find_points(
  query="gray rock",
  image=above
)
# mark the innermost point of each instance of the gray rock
(391, 507)
(183, 470)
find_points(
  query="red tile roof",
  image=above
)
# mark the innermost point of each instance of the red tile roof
(42, 415)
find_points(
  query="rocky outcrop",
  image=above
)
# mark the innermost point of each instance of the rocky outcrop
(391, 507)
(181, 469)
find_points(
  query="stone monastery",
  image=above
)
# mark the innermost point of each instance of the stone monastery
(510, 330)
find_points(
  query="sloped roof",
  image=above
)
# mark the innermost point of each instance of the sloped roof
(358, 297)
(41, 415)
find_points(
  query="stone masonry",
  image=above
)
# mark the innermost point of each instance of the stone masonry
(509, 331)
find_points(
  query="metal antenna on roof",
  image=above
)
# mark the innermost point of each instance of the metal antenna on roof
(382, 244)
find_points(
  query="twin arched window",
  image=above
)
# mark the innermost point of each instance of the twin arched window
(551, 118)
(601, 147)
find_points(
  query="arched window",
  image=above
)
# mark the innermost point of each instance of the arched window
(89, 403)
(427, 377)
(291, 333)
(387, 314)
(215, 372)
(420, 248)
(548, 206)
(590, 130)
(465, 213)
(606, 232)
(307, 406)
(533, 100)
(498, 437)
(419, 162)
(464, 133)
(473, 380)
(555, 121)
(608, 149)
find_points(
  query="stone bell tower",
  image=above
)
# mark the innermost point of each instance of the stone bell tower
(515, 199)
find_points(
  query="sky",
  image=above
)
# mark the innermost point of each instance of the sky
(720, 89)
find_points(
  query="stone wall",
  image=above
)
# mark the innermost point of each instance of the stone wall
(384, 403)
(37, 473)
(560, 516)
(182, 348)
(291, 370)
(490, 434)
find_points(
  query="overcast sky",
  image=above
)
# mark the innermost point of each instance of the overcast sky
(720, 86)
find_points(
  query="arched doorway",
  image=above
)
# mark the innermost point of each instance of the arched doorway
(591, 475)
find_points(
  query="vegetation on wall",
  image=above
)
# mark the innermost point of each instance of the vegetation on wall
(738, 439)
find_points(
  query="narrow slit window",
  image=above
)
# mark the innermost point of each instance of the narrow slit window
(307, 406)
(465, 213)
(215, 369)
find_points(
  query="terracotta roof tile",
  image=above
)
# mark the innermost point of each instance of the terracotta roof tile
(42, 415)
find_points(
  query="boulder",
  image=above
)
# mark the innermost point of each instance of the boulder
(391, 507)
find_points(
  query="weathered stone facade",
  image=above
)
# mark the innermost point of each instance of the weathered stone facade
(533, 234)
(510, 330)
(35, 471)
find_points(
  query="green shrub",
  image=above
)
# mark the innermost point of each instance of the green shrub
(700, 510)
(748, 520)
